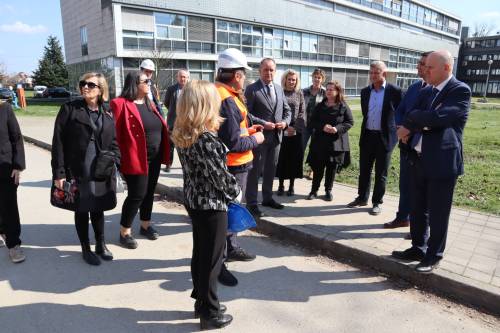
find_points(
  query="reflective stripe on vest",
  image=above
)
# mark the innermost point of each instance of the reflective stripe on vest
(236, 159)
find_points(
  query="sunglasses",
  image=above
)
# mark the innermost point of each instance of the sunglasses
(90, 85)
(147, 81)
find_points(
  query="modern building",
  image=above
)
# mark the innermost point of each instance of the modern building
(340, 36)
(479, 56)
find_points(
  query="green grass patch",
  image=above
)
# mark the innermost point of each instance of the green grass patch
(39, 109)
(479, 187)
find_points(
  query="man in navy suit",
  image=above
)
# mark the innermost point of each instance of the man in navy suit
(378, 135)
(402, 218)
(267, 106)
(434, 130)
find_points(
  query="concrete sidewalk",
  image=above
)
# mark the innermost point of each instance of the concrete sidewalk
(469, 272)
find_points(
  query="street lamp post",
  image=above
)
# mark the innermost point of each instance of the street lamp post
(487, 79)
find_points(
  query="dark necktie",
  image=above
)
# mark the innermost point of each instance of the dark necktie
(270, 93)
(416, 138)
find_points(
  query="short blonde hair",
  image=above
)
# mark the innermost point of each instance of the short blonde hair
(103, 84)
(285, 76)
(197, 112)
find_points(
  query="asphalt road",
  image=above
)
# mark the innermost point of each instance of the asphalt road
(147, 290)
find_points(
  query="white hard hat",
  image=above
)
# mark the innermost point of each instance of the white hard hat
(232, 58)
(148, 64)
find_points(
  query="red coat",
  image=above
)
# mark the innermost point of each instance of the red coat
(132, 139)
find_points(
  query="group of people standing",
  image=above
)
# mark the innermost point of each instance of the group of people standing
(227, 137)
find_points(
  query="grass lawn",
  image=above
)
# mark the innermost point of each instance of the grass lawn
(36, 108)
(479, 188)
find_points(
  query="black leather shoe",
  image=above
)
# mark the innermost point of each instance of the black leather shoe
(226, 277)
(426, 266)
(167, 168)
(290, 192)
(407, 236)
(90, 257)
(411, 254)
(357, 203)
(239, 254)
(281, 191)
(312, 195)
(218, 321)
(102, 250)
(128, 241)
(328, 196)
(197, 305)
(150, 233)
(255, 211)
(273, 204)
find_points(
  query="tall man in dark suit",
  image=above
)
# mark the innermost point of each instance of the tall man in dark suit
(436, 126)
(378, 135)
(267, 104)
(170, 102)
(410, 98)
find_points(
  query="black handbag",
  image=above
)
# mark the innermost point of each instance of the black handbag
(67, 198)
(105, 160)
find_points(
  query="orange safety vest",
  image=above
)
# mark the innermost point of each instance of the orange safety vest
(235, 159)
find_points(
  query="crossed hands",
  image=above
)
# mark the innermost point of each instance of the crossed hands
(329, 129)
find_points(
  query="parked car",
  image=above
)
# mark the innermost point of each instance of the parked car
(5, 93)
(38, 91)
(54, 92)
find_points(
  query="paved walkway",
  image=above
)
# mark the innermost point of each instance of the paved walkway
(469, 272)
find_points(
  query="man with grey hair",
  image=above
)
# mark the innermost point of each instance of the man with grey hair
(378, 135)
(433, 129)
(171, 97)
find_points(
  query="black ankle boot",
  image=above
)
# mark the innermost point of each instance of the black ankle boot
(281, 191)
(102, 250)
(328, 195)
(90, 257)
(218, 321)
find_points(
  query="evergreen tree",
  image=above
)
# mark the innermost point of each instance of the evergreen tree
(52, 70)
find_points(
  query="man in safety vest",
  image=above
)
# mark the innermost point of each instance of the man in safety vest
(239, 135)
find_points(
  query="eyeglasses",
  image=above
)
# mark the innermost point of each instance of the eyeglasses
(88, 84)
(147, 81)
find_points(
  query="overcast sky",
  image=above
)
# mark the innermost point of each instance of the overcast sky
(26, 24)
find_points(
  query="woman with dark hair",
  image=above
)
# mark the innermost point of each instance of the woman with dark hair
(82, 129)
(331, 119)
(142, 136)
(291, 155)
(12, 162)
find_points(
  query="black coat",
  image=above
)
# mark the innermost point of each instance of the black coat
(392, 98)
(339, 117)
(11, 142)
(72, 134)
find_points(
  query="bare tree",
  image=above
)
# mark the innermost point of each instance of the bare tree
(482, 29)
(3, 73)
(162, 59)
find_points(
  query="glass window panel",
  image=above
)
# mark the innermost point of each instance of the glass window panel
(268, 53)
(246, 28)
(194, 46)
(277, 54)
(208, 48)
(179, 46)
(278, 33)
(235, 27)
(234, 38)
(278, 44)
(222, 37)
(147, 44)
(313, 43)
(257, 41)
(268, 33)
(162, 44)
(207, 65)
(194, 64)
(195, 75)
(161, 32)
(130, 43)
(268, 43)
(257, 31)
(247, 50)
(246, 40)
(221, 25)
(176, 32)
(221, 47)
(257, 52)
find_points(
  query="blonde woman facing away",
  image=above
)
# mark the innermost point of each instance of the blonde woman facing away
(208, 188)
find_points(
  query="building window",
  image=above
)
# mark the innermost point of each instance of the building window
(138, 40)
(84, 41)
(170, 32)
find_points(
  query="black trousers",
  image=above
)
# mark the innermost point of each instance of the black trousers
(141, 190)
(326, 168)
(9, 212)
(209, 239)
(172, 149)
(372, 151)
(82, 226)
(431, 202)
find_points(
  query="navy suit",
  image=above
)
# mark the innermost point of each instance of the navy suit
(434, 171)
(407, 103)
(375, 147)
(265, 156)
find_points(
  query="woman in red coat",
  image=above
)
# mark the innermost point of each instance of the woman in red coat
(142, 137)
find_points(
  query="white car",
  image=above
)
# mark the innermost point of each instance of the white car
(38, 91)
